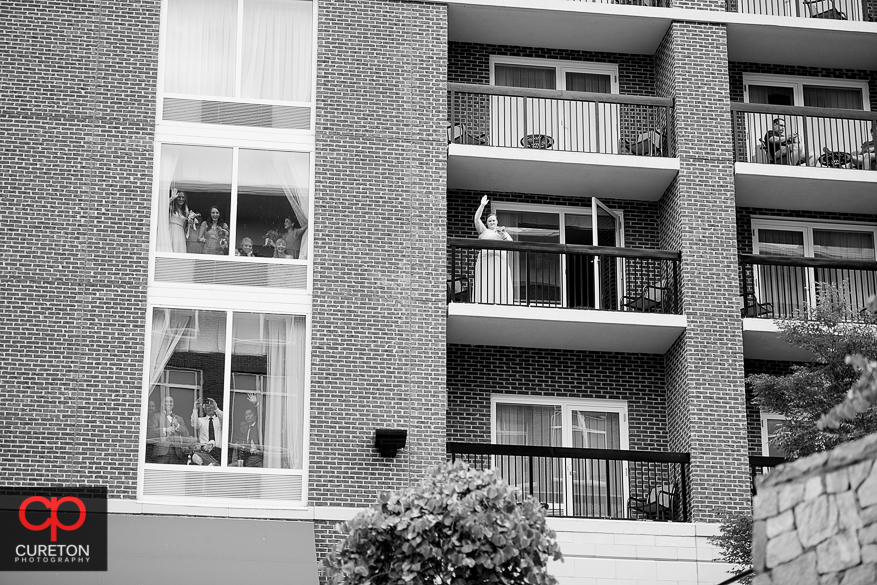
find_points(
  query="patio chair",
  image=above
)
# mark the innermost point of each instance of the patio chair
(658, 505)
(460, 134)
(824, 9)
(653, 298)
(753, 309)
(649, 143)
(458, 290)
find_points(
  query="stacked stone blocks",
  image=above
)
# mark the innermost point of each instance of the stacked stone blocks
(816, 519)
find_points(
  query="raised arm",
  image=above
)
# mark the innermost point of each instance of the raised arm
(479, 225)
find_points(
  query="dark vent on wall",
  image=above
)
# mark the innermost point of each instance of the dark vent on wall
(200, 271)
(237, 114)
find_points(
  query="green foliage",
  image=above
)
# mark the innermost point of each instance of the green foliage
(459, 526)
(831, 333)
(735, 541)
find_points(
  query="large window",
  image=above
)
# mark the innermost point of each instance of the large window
(233, 202)
(583, 487)
(239, 62)
(220, 400)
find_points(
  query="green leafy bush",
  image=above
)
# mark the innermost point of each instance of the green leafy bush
(459, 526)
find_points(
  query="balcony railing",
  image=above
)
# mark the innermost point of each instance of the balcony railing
(759, 465)
(856, 10)
(658, 3)
(822, 137)
(563, 276)
(568, 121)
(589, 483)
(781, 287)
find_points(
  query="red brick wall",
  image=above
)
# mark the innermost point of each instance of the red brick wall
(79, 110)
(476, 372)
(378, 343)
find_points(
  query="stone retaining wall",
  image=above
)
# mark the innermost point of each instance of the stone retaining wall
(816, 519)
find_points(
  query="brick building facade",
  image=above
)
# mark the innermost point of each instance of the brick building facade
(390, 121)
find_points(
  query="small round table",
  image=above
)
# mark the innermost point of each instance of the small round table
(835, 160)
(542, 141)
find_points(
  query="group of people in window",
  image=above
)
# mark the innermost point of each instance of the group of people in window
(170, 440)
(193, 232)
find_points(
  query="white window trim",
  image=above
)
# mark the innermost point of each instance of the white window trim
(594, 404)
(560, 67)
(219, 502)
(807, 227)
(220, 129)
(764, 417)
(798, 82)
(496, 206)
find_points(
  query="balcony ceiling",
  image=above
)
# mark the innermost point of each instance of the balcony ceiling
(559, 24)
(805, 188)
(761, 340)
(547, 328)
(519, 170)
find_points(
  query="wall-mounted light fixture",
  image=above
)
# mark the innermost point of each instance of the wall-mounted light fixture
(389, 441)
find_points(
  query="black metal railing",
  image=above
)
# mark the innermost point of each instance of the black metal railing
(589, 483)
(816, 137)
(563, 276)
(655, 3)
(759, 465)
(570, 121)
(856, 10)
(781, 287)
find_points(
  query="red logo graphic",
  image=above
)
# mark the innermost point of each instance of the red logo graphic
(53, 521)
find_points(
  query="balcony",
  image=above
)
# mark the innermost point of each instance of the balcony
(627, 26)
(563, 296)
(545, 141)
(589, 483)
(759, 465)
(834, 175)
(780, 287)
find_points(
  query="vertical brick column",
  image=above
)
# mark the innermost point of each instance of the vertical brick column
(705, 391)
(78, 111)
(379, 308)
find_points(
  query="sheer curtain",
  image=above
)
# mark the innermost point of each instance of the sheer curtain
(293, 171)
(277, 41)
(166, 169)
(200, 55)
(284, 404)
(168, 327)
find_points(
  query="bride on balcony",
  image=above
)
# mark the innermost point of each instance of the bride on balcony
(493, 279)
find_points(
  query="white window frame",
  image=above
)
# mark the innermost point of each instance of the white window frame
(764, 417)
(161, 94)
(807, 227)
(241, 306)
(797, 83)
(567, 405)
(560, 68)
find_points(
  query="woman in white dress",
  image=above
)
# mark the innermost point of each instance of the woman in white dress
(493, 279)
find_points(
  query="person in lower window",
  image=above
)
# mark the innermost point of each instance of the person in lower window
(248, 451)
(214, 234)
(293, 237)
(208, 430)
(246, 248)
(168, 432)
(280, 250)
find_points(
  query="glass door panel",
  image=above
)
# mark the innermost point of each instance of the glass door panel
(596, 486)
(856, 285)
(606, 231)
(586, 126)
(513, 118)
(786, 288)
(580, 289)
(537, 277)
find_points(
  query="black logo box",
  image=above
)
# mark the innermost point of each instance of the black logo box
(24, 549)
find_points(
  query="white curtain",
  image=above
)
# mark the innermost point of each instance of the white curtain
(284, 403)
(166, 169)
(277, 41)
(200, 56)
(168, 327)
(293, 171)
